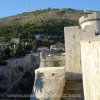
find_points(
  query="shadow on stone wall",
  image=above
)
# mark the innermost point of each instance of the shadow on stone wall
(39, 84)
(73, 76)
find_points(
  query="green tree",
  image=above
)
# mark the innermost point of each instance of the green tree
(34, 44)
(19, 52)
(7, 51)
(28, 48)
(6, 38)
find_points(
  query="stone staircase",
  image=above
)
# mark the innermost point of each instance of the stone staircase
(73, 90)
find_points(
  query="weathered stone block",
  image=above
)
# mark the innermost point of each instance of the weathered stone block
(49, 83)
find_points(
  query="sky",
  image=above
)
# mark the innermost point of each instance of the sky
(13, 7)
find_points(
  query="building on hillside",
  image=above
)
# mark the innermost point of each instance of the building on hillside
(57, 47)
(3, 47)
(38, 36)
(15, 40)
(43, 48)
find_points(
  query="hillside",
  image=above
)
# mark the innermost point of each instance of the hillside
(50, 22)
(44, 15)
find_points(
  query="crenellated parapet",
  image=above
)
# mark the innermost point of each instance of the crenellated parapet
(89, 17)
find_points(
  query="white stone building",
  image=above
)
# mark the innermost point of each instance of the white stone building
(57, 47)
(15, 40)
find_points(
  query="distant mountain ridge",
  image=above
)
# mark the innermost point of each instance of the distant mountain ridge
(45, 15)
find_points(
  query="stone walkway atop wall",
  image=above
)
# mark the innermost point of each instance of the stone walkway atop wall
(73, 90)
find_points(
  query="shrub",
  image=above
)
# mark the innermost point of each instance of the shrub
(19, 53)
(28, 48)
(56, 63)
(7, 51)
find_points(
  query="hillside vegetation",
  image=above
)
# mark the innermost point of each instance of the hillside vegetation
(44, 15)
(47, 21)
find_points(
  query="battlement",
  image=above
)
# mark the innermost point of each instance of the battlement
(89, 17)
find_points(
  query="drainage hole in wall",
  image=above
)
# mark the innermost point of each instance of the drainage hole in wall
(53, 74)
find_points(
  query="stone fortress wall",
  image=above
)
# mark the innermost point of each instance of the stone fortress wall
(90, 19)
(90, 55)
(49, 80)
(11, 72)
(73, 36)
(73, 70)
(48, 61)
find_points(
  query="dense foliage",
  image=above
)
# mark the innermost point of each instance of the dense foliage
(51, 27)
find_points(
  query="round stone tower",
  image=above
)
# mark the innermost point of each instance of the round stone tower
(90, 19)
